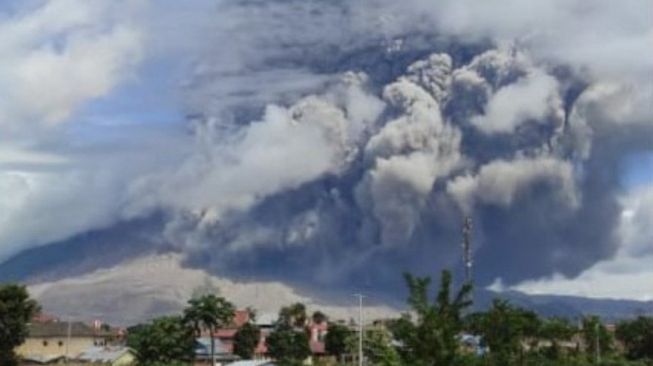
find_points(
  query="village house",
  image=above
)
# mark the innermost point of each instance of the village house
(224, 338)
(223, 354)
(53, 340)
(317, 337)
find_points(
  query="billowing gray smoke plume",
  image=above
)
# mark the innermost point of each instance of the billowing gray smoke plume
(342, 143)
(342, 146)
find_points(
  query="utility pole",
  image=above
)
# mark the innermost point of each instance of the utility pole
(597, 343)
(68, 336)
(360, 328)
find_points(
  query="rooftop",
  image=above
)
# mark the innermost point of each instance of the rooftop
(103, 354)
(61, 329)
(252, 363)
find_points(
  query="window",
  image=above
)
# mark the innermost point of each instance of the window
(45, 343)
(60, 343)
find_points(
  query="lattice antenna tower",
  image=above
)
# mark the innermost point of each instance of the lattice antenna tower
(468, 260)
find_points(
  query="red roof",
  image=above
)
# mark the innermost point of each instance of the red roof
(241, 317)
(225, 333)
(44, 318)
(319, 326)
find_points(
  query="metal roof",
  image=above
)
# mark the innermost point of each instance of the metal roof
(266, 319)
(42, 359)
(60, 329)
(103, 354)
(203, 346)
(252, 363)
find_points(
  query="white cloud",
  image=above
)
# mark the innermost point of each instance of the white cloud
(51, 195)
(55, 57)
(285, 149)
(41, 207)
(601, 36)
(628, 275)
(61, 55)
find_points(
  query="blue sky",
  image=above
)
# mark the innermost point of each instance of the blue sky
(638, 170)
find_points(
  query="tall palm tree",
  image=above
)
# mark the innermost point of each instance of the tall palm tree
(209, 312)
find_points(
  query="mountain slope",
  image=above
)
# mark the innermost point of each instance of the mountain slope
(155, 285)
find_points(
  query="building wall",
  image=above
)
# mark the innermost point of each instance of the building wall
(56, 346)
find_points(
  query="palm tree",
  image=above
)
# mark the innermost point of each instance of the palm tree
(209, 312)
(294, 315)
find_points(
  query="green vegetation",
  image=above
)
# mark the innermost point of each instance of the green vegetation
(319, 317)
(337, 339)
(16, 310)
(293, 316)
(596, 334)
(637, 337)
(504, 328)
(163, 341)
(288, 343)
(209, 312)
(429, 334)
(432, 337)
(377, 347)
(246, 340)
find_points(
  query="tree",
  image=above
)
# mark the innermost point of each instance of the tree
(288, 345)
(209, 312)
(16, 311)
(595, 333)
(432, 338)
(246, 340)
(504, 327)
(637, 337)
(319, 317)
(293, 315)
(289, 342)
(165, 340)
(377, 347)
(335, 342)
(555, 330)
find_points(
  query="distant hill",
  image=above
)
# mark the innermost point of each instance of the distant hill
(155, 285)
(131, 282)
(571, 306)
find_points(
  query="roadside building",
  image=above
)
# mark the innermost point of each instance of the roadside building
(52, 340)
(224, 338)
